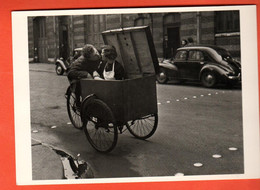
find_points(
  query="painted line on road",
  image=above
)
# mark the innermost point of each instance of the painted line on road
(193, 97)
(198, 164)
(232, 148)
(216, 156)
(179, 174)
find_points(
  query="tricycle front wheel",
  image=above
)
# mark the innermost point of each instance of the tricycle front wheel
(143, 127)
(99, 126)
(73, 108)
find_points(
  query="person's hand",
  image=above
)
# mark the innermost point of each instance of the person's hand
(98, 78)
(95, 74)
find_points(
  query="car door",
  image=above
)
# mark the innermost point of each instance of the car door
(195, 62)
(180, 62)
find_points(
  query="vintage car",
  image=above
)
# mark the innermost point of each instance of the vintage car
(209, 64)
(63, 65)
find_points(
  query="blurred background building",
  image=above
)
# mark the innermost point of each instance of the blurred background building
(51, 37)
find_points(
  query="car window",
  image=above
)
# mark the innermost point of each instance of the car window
(181, 56)
(196, 56)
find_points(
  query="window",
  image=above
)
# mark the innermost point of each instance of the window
(196, 56)
(227, 21)
(181, 56)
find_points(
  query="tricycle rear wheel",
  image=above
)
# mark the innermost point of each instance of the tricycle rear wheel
(99, 125)
(143, 127)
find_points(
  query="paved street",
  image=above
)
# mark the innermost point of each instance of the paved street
(195, 123)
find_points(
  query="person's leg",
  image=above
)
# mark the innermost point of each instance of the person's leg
(78, 94)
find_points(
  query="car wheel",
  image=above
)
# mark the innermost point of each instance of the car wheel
(208, 79)
(59, 69)
(162, 77)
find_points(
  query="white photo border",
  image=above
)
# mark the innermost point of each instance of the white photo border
(250, 97)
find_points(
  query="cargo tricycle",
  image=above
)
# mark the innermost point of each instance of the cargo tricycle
(110, 107)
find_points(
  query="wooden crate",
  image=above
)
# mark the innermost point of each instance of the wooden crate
(128, 99)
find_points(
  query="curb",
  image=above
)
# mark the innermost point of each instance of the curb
(46, 164)
(51, 163)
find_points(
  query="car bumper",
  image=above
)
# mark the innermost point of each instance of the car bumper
(235, 78)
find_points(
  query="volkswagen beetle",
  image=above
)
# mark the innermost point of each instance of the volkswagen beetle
(208, 64)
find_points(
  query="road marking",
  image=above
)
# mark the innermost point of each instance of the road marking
(179, 174)
(232, 148)
(198, 164)
(186, 98)
(53, 127)
(35, 131)
(69, 123)
(216, 156)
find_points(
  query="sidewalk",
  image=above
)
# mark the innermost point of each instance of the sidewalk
(46, 163)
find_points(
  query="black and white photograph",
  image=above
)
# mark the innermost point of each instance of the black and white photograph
(137, 94)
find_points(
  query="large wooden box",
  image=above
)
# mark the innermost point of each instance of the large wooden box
(128, 99)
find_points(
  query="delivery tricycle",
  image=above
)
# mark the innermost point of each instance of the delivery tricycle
(109, 107)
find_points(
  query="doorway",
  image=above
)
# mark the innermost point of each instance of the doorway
(171, 32)
(40, 40)
(173, 41)
(63, 37)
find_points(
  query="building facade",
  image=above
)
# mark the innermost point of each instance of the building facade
(51, 37)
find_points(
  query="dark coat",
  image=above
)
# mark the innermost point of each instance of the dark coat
(118, 69)
(81, 67)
